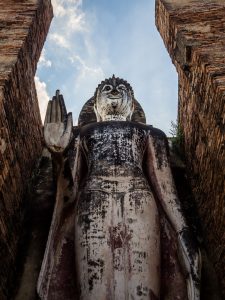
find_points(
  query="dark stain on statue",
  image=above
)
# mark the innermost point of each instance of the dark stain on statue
(97, 263)
(121, 199)
(95, 270)
(138, 200)
(85, 220)
(91, 280)
(119, 237)
(144, 291)
(161, 147)
(139, 291)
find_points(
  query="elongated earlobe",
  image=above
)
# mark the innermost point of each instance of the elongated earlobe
(132, 110)
(98, 117)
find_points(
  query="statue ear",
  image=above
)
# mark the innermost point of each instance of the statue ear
(131, 111)
(98, 117)
(132, 106)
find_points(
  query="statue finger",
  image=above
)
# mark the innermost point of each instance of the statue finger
(63, 109)
(69, 123)
(48, 113)
(57, 107)
(53, 114)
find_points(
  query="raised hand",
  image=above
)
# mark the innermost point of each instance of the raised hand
(58, 125)
(190, 258)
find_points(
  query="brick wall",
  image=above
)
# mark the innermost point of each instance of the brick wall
(23, 29)
(194, 34)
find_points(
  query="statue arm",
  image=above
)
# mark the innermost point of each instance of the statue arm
(159, 173)
(160, 176)
(64, 144)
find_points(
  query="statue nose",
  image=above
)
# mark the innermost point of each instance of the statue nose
(114, 92)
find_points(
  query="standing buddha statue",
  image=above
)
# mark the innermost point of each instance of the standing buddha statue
(114, 188)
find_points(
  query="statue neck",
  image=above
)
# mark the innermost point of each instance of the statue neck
(114, 118)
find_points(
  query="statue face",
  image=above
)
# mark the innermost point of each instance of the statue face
(114, 102)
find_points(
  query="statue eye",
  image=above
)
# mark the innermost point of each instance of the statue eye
(107, 88)
(121, 87)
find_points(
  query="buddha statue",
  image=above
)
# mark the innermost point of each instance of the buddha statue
(118, 231)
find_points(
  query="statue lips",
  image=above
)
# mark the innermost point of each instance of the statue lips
(112, 97)
(114, 101)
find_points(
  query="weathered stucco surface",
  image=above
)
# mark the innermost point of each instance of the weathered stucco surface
(118, 225)
(23, 29)
(194, 34)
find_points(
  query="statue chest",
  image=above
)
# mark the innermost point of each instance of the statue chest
(117, 143)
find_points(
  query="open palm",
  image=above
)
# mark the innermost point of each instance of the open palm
(58, 125)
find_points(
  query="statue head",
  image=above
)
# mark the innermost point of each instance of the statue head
(114, 100)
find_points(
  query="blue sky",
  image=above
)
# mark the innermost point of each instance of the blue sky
(90, 40)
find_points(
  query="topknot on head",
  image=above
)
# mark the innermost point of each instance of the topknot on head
(114, 81)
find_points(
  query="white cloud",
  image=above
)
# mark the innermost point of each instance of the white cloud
(59, 10)
(60, 40)
(43, 97)
(71, 14)
(69, 19)
(43, 61)
(76, 21)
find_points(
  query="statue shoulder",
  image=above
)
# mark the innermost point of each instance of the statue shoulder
(88, 128)
(156, 133)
